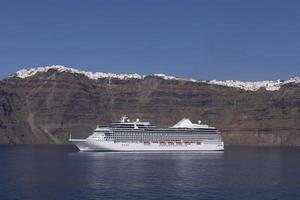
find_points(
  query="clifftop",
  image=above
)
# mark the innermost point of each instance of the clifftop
(270, 85)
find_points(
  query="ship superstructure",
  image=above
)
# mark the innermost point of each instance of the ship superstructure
(136, 135)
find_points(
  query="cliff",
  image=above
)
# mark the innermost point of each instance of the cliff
(45, 105)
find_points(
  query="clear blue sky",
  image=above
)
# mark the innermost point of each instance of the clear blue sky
(204, 39)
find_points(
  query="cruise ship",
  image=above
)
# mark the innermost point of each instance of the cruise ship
(136, 135)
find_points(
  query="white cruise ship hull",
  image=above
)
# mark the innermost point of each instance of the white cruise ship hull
(98, 145)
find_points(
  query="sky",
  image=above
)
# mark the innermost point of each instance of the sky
(202, 39)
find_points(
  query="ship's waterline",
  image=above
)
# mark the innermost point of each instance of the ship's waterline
(135, 135)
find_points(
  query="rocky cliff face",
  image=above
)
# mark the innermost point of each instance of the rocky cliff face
(47, 106)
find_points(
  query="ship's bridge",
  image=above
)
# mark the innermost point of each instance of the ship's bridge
(126, 123)
(131, 125)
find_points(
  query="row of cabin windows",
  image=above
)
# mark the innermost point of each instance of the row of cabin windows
(167, 130)
(171, 140)
(162, 135)
(177, 138)
(161, 138)
(131, 126)
(171, 133)
(158, 133)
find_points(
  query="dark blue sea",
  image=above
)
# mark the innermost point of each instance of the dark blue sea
(60, 172)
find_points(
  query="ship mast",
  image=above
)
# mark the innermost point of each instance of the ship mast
(123, 119)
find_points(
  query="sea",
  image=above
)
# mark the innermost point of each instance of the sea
(61, 172)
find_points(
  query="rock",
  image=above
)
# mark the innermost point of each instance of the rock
(49, 105)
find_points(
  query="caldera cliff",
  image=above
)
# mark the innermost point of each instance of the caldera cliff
(45, 106)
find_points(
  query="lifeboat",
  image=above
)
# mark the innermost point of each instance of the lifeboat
(162, 142)
(187, 142)
(146, 142)
(178, 143)
(170, 143)
(199, 142)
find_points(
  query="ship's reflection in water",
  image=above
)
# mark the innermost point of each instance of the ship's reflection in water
(166, 175)
(59, 172)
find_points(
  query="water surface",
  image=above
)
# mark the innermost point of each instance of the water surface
(60, 172)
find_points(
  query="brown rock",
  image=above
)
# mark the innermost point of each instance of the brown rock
(47, 107)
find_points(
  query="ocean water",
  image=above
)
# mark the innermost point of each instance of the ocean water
(60, 172)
